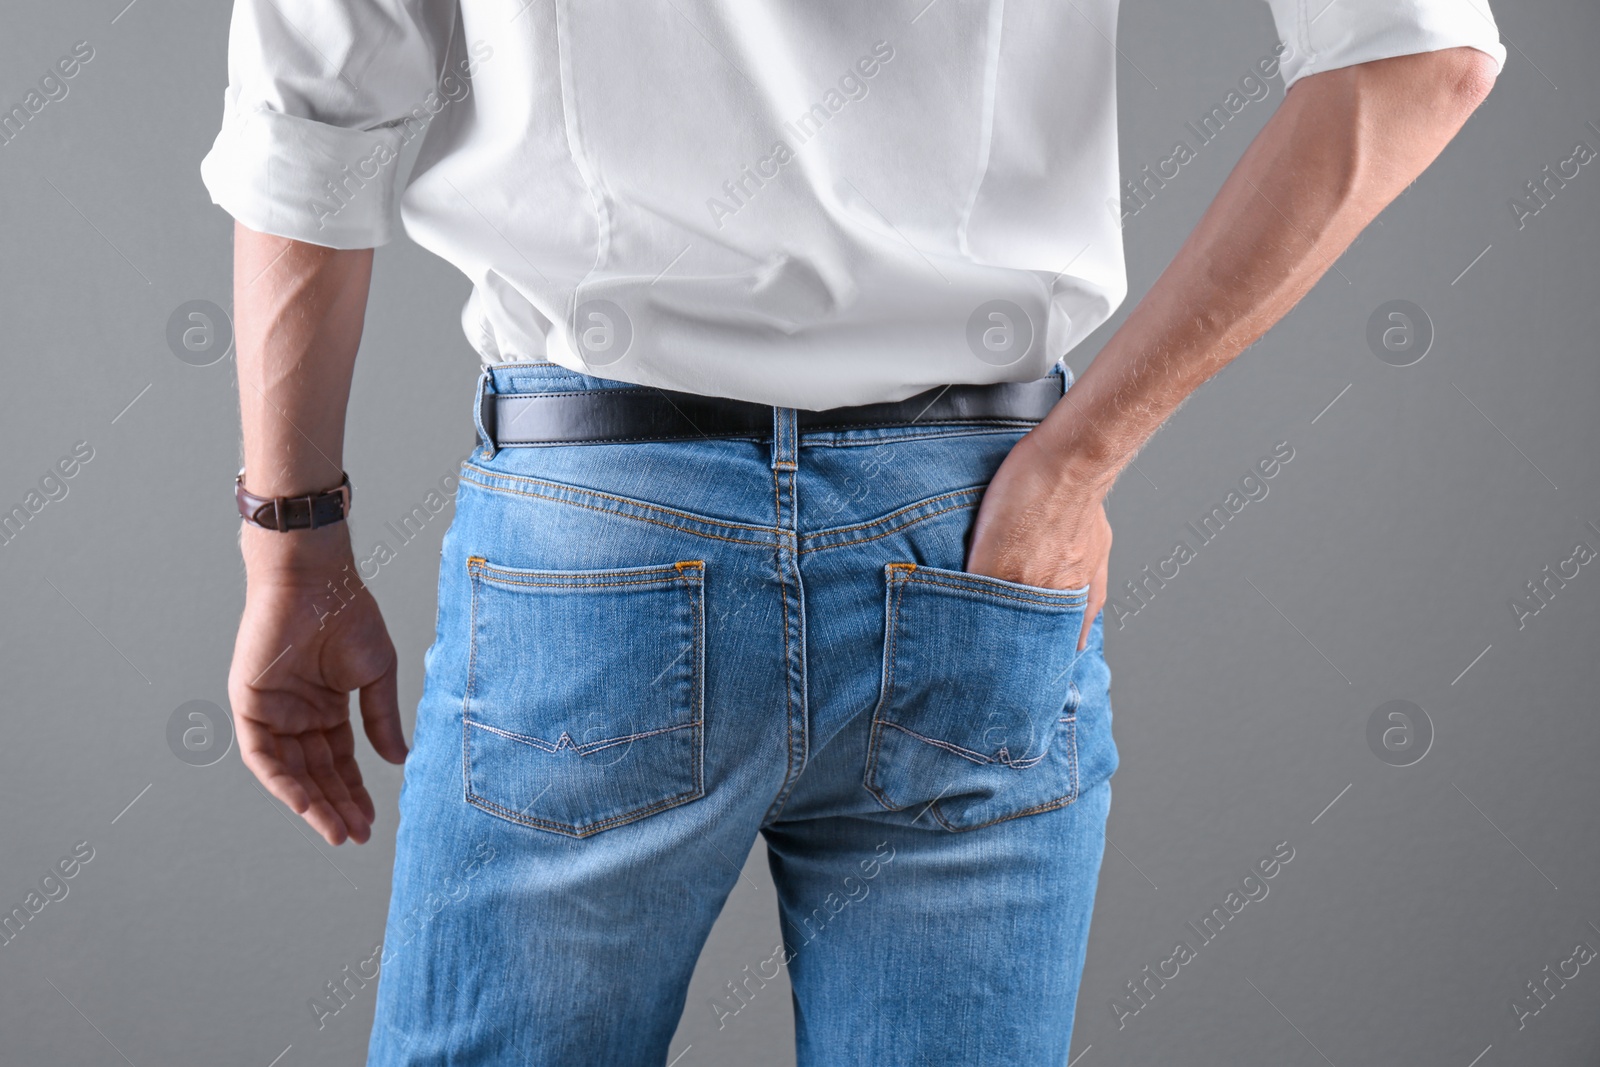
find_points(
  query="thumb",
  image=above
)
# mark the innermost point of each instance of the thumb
(380, 715)
(1099, 592)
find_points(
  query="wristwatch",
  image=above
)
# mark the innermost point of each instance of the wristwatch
(285, 513)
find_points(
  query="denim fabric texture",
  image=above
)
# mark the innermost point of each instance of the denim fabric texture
(649, 652)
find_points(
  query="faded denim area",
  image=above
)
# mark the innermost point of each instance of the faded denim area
(646, 654)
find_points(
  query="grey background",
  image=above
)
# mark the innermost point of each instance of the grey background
(1380, 567)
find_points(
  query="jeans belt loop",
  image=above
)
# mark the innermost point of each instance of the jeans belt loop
(483, 412)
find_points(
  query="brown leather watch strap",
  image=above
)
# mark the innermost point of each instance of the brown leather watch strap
(285, 513)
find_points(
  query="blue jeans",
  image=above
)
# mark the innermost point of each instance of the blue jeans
(647, 653)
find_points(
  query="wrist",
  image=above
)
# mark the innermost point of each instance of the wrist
(295, 557)
(1085, 462)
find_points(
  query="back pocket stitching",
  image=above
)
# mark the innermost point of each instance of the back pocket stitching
(1001, 757)
(566, 741)
(1068, 599)
(886, 686)
(482, 568)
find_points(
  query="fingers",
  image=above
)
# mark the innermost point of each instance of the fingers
(1099, 587)
(302, 771)
(320, 812)
(380, 716)
(358, 790)
(342, 743)
(330, 780)
(278, 763)
(1097, 597)
(259, 750)
(1097, 600)
(313, 769)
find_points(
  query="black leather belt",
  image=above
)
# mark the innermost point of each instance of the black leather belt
(640, 413)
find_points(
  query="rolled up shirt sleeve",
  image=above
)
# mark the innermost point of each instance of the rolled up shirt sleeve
(1327, 34)
(322, 96)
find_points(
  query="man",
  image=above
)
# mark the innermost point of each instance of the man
(782, 519)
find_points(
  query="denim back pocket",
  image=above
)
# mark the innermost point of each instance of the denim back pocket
(585, 694)
(977, 713)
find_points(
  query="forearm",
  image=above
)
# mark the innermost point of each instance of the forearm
(1341, 146)
(298, 312)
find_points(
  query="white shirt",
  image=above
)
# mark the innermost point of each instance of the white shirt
(807, 203)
